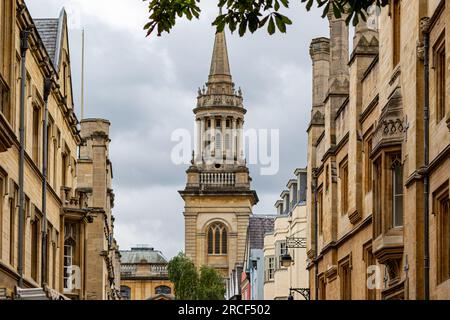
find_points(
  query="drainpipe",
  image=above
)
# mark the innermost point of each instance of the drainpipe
(24, 34)
(48, 83)
(426, 181)
(316, 237)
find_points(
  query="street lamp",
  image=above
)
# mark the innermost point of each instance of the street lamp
(286, 260)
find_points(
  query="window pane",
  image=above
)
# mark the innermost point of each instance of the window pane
(224, 242)
(217, 241)
(398, 195)
(210, 241)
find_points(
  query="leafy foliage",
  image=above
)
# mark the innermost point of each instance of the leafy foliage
(190, 285)
(210, 286)
(251, 15)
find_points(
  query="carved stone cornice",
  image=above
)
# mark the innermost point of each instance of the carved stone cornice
(390, 128)
(388, 250)
(355, 216)
(331, 272)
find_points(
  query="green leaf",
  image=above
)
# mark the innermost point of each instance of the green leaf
(271, 26)
(242, 28)
(286, 20)
(280, 24)
(285, 3)
(263, 21)
(277, 5)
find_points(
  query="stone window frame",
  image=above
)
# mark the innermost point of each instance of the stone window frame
(35, 245)
(55, 247)
(5, 104)
(3, 193)
(345, 276)
(370, 260)
(396, 17)
(13, 210)
(322, 286)
(72, 237)
(343, 188)
(383, 199)
(320, 209)
(441, 212)
(368, 166)
(395, 162)
(440, 76)
(36, 132)
(213, 243)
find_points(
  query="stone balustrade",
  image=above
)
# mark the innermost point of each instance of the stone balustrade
(217, 179)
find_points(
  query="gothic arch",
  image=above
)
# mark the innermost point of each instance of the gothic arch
(214, 220)
(217, 238)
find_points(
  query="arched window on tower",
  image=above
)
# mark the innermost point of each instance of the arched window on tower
(218, 141)
(217, 239)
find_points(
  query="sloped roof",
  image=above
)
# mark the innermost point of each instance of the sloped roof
(48, 30)
(51, 32)
(259, 225)
(140, 255)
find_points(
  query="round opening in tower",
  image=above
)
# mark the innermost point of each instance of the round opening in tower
(217, 166)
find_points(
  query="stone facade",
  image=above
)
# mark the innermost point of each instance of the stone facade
(288, 237)
(78, 196)
(144, 275)
(218, 198)
(366, 168)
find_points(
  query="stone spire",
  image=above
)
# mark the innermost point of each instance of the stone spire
(220, 65)
(219, 62)
(220, 89)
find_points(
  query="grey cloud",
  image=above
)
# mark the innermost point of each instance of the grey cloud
(147, 88)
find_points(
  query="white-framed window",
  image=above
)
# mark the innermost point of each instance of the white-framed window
(68, 263)
(270, 268)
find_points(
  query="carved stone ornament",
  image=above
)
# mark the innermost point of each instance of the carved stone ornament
(391, 126)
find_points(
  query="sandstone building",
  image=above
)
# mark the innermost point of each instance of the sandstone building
(60, 240)
(288, 241)
(144, 275)
(218, 198)
(378, 206)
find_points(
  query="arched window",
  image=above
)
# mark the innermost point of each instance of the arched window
(218, 141)
(217, 239)
(163, 290)
(125, 292)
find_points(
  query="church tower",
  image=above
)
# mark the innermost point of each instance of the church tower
(218, 199)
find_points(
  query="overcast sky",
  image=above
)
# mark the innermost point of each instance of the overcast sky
(147, 88)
